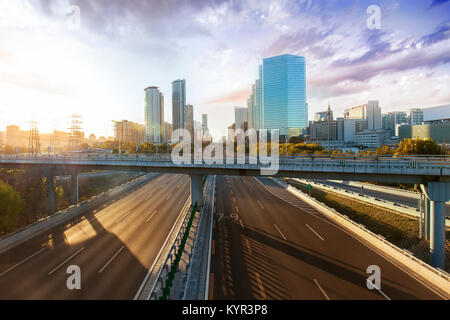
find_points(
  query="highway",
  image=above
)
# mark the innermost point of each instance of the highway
(396, 196)
(406, 199)
(114, 246)
(271, 245)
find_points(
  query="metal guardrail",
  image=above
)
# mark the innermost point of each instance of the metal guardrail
(170, 266)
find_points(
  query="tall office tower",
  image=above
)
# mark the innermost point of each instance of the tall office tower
(154, 115)
(250, 115)
(189, 119)
(240, 117)
(205, 130)
(373, 115)
(415, 116)
(13, 138)
(370, 111)
(284, 94)
(390, 120)
(167, 132)
(178, 103)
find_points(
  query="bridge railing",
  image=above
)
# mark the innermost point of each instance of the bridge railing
(423, 165)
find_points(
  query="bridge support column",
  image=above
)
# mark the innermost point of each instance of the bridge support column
(437, 234)
(427, 218)
(438, 193)
(74, 187)
(197, 189)
(51, 193)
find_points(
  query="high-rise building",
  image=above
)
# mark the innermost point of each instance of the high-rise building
(284, 94)
(205, 131)
(373, 115)
(415, 116)
(240, 117)
(13, 136)
(390, 120)
(178, 103)
(204, 122)
(168, 128)
(324, 115)
(129, 132)
(189, 119)
(370, 111)
(154, 115)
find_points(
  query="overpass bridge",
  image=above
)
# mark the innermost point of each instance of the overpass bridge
(432, 173)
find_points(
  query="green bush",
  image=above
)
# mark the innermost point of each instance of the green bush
(11, 205)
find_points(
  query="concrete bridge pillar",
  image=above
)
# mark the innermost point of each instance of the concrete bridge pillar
(438, 193)
(196, 189)
(437, 234)
(427, 218)
(51, 193)
(74, 187)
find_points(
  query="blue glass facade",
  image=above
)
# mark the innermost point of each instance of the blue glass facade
(284, 94)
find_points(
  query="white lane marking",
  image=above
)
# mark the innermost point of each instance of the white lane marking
(314, 232)
(276, 227)
(260, 286)
(371, 247)
(61, 264)
(151, 216)
(323, 291)
(115, 255)
(260, 204)
(23, 261)
(170, 195)
(236, 208)
(123, 217)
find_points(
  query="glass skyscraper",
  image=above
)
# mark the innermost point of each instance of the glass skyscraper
(178, 103)
(284, 94)
(154, 115)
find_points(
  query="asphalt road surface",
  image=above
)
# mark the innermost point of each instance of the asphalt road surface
(271, 245)
(114, 246)
(387, 195)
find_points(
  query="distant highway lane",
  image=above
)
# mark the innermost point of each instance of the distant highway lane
(114, 246)
(268, 244)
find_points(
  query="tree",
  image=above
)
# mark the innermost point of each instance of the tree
(11, 205)
(299, 139)
(419, 146)
(384, 150)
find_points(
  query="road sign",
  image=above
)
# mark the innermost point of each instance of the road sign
(309, 187)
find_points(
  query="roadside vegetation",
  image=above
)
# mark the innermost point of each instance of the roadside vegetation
(23, 195)
(398, 229)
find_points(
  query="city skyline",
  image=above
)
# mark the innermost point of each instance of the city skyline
(99, 70)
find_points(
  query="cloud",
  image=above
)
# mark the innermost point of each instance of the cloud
(436, 3)
(34, 82)
(236, 96)
(305, 41)
(118, 18)
(429, 51)
(442, 33)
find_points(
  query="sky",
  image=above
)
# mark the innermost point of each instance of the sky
(95, 57)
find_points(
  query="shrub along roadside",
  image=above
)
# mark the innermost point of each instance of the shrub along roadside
(11, 206)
